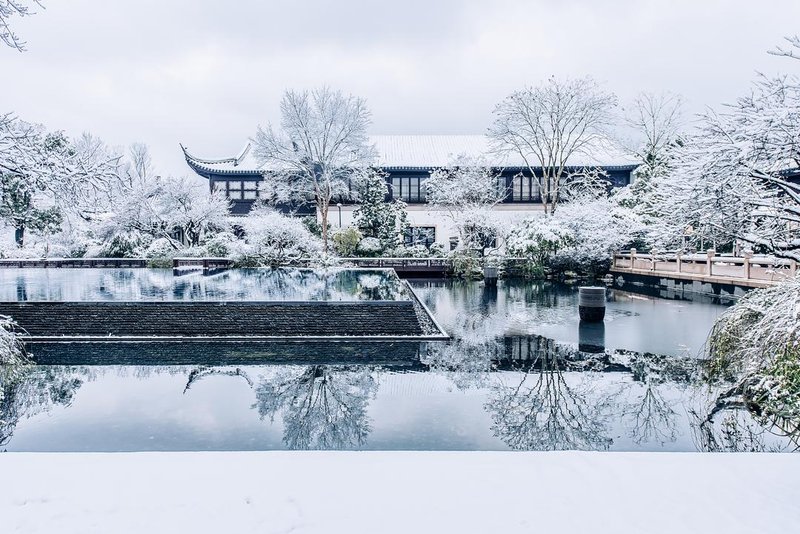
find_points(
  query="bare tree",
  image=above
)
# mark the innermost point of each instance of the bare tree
(8, 10)
(658, 119)
(550, 124)
(320, 148)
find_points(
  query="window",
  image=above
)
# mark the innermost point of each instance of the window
(250, 190)
(409, 188)
(420, 235)
(524, 189)
(238, 190)
(235, 190)
(220, 187)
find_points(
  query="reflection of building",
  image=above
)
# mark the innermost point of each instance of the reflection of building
(408, 161)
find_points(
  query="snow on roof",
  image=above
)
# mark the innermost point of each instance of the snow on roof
(429, 151)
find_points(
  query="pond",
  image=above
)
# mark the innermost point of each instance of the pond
(521, 373)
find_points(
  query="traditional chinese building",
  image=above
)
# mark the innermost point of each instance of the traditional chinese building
(408, 161)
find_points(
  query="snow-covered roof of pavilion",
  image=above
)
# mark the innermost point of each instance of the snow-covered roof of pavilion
(424, 152)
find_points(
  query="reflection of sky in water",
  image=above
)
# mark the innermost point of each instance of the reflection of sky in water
(161, 285)
(633, 322)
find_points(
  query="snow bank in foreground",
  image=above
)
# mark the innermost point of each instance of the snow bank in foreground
(402, 492)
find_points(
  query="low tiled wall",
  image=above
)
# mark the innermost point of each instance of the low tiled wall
(215, 319)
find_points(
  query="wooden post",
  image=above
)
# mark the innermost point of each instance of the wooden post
(633, 258)
(678, 259)
(792, 268)
(709, 261)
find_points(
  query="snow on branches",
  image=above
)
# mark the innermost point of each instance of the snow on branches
(733, 178)
(467, 191)
(272, 239)
(581, 236)
(8, 10)
(321, 145)
(758, 341)
(549, 124)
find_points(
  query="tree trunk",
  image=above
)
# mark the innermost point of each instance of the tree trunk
(323, 211)
(19, 235)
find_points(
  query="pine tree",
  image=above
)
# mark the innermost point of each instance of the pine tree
(375, 217)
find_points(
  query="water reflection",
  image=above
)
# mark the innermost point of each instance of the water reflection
(40, 284)
(28, 391)
(542, 411)
(321, 407)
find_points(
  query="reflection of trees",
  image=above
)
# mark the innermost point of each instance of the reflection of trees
(732, 422)
(544, 412)
(323, 407)
(652, 418)
(201, 372)
(27, 391)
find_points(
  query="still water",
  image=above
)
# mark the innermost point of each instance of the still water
(521, 373)
(79, 285)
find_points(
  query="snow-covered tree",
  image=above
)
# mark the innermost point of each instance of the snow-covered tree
(273, 239)
(466, 192)
(657, 118)
(320, 147)
(189, 207)
(9, 9)
(731, 180)
(374, 217)
(599, 227)
(12, 350)
(144, 207)
(582, 236)
(756, 344)
(46, 177)
(548, 125)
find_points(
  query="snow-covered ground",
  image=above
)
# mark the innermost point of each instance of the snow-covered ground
(402, 492)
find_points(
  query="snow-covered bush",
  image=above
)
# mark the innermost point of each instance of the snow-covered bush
(12, 351)
(271, 239)
(221, 245)
(581, 236)
(345, 241)
(160, 248)
(757, 342)
(131, 244)
(370, 246)
(539, 239)
(436, 250)
(599, 227)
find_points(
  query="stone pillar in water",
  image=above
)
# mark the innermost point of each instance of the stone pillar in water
(592, 304)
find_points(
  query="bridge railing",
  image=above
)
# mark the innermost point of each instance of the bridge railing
(708, 264)
(73, 262)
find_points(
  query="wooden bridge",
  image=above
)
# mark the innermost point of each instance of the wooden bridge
(751, 271)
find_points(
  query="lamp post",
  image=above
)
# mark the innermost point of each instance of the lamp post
(339, 205)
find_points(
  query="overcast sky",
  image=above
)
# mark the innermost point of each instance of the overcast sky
(206, 73)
